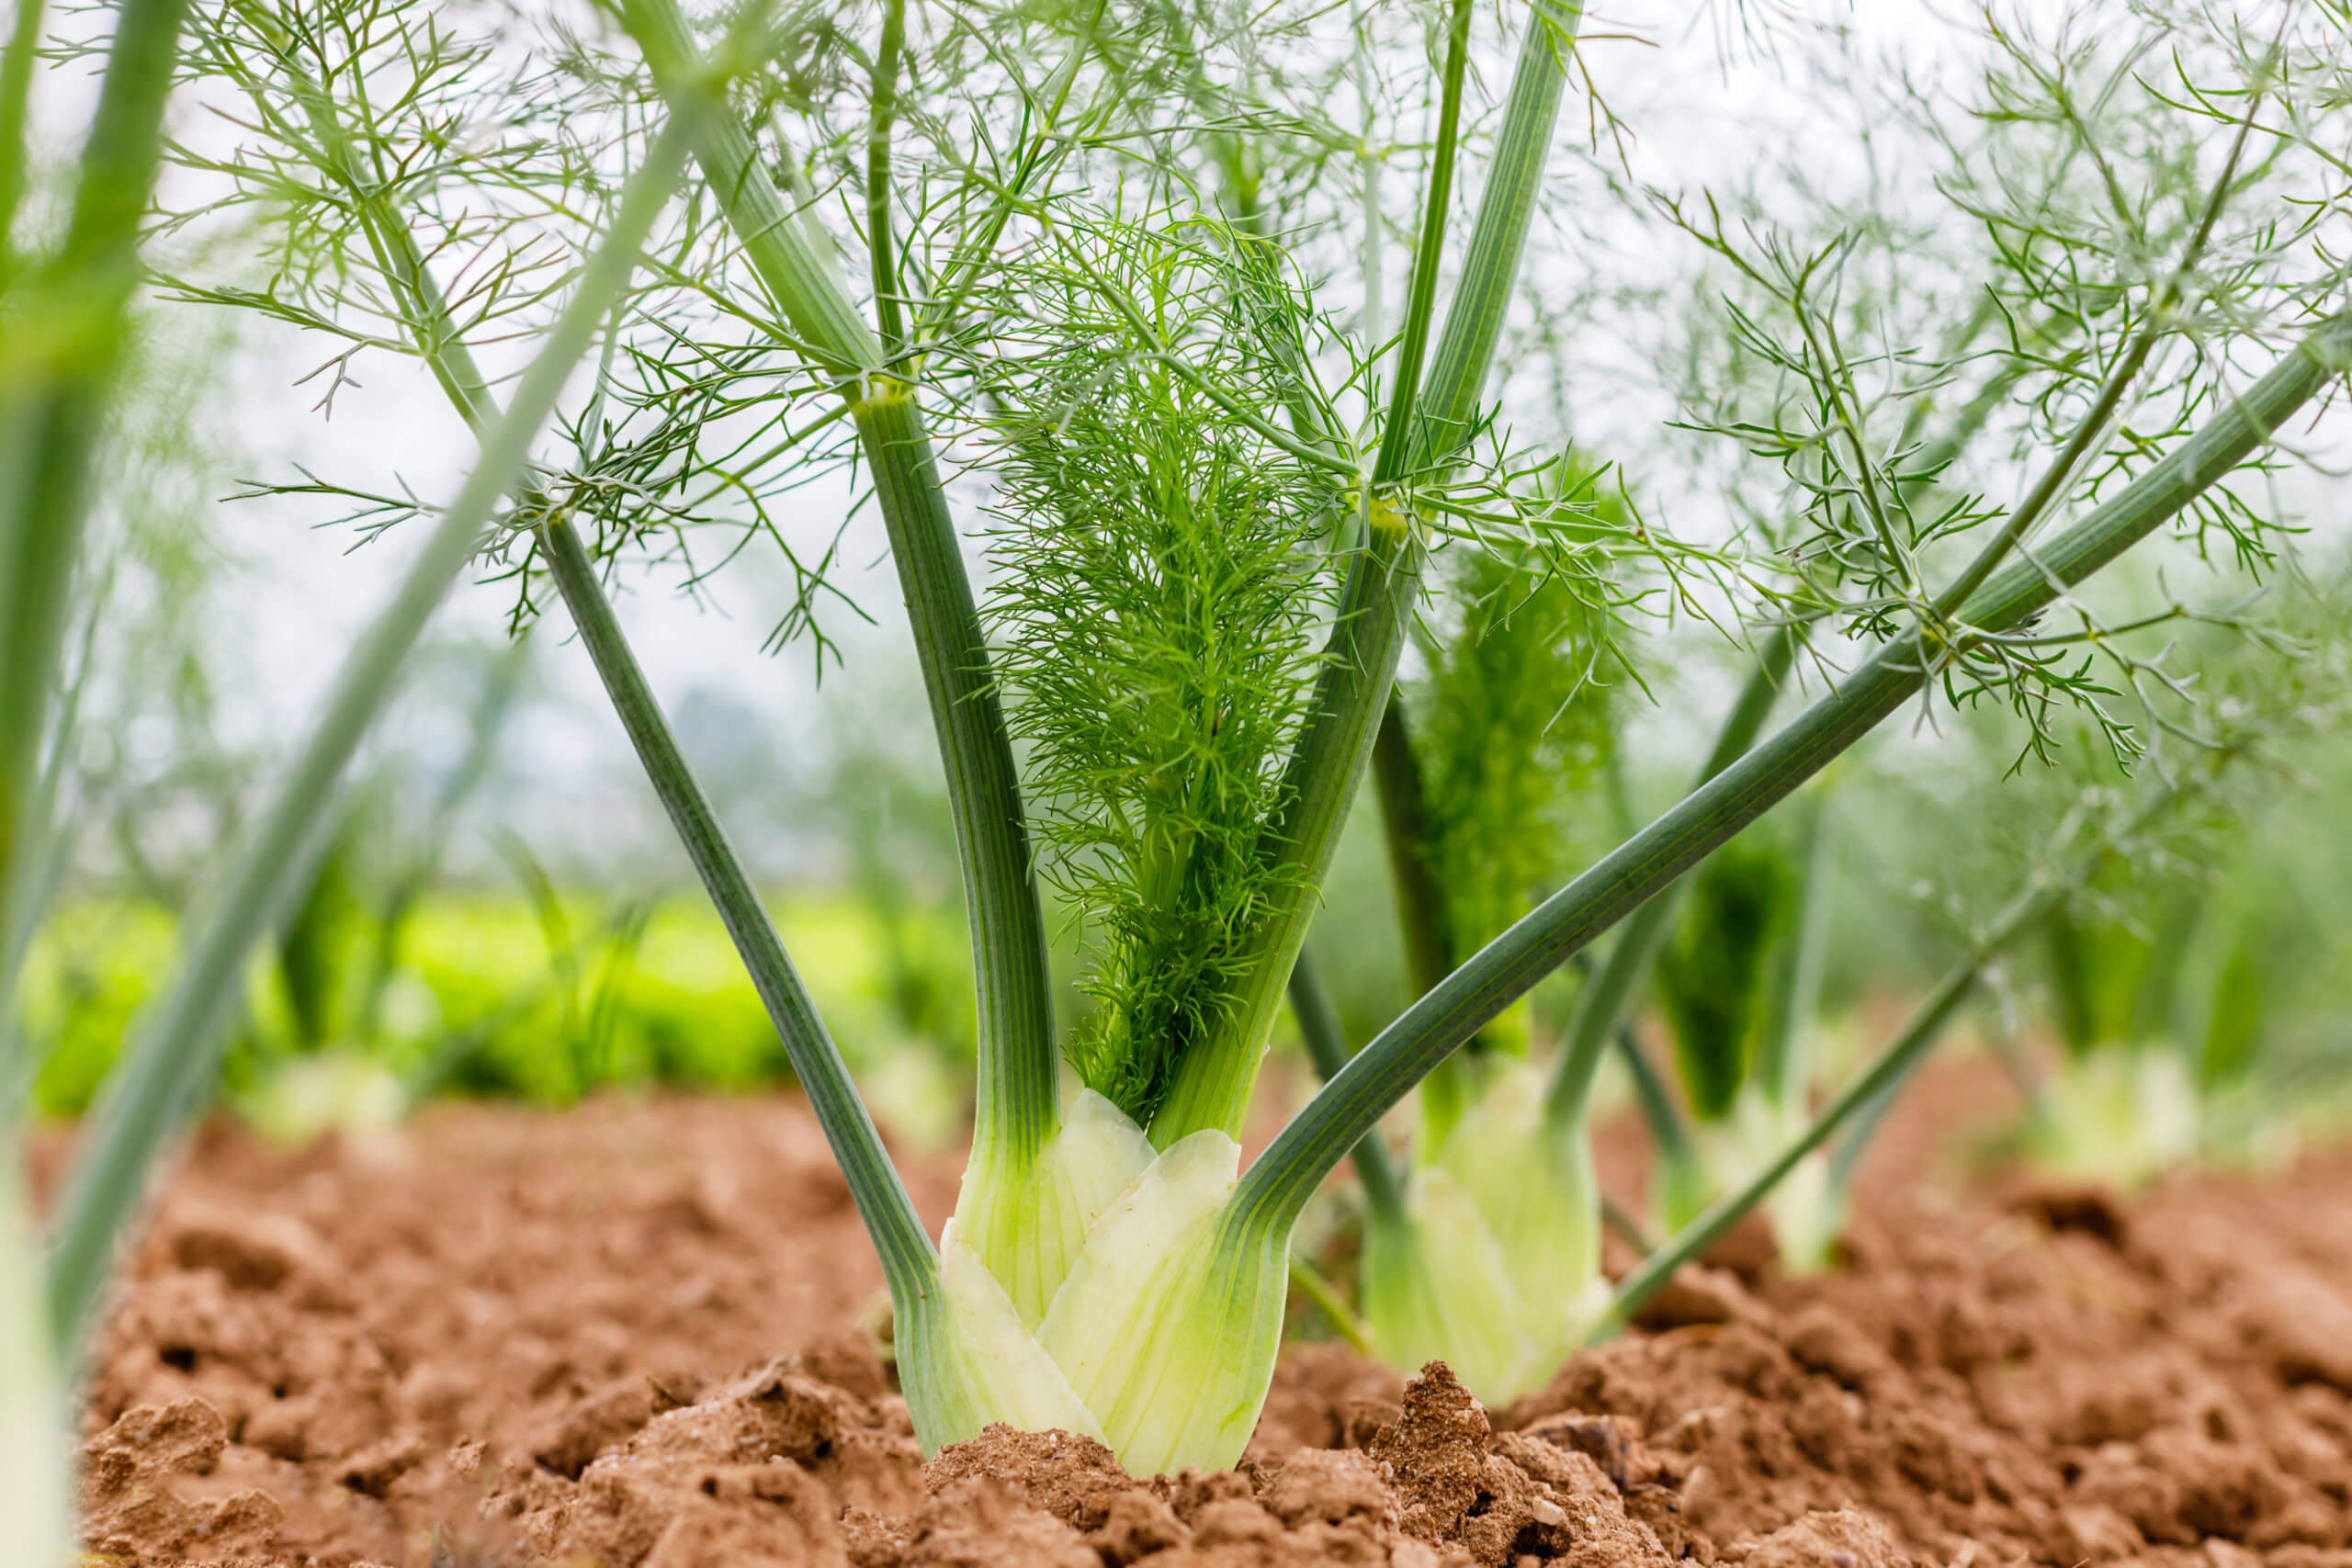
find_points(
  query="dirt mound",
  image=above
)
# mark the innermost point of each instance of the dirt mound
(506, 1337)
(815, 1478)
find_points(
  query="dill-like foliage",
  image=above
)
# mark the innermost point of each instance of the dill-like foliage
(1159, 579)
(1514, 721)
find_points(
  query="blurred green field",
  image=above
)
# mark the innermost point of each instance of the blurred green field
(495, 995)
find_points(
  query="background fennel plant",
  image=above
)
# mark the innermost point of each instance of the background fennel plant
(1864, 532)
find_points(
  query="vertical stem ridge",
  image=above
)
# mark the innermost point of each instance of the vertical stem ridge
(1016, 1107)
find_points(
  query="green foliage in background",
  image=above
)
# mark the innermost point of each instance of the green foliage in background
(486, 1001)
(1715, 976)
(1513, 724)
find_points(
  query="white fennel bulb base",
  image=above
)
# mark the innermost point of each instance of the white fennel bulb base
(1496, 1267)
(35, 1481)
(1026, 1224)
(1157, 1312)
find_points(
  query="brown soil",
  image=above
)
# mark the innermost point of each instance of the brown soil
(629, 1335)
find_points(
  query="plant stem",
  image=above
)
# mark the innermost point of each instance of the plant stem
(908, 1259)
(906, 1252)
(1885, 1069)
(1327, 765)
(1388, 1068)
(1421, 304)
(173, 1056)
(888, 307)
(63, 329)
(1782, 1060)
(1602, 1003)
(1606, 998)
(1420, 907)
(1629, 1229)
(15, 99)
(1326, 1047)
(1404, 828)
(1016, 1108)
(1668, 1136)
(1371, 331)
(489, 719)
(1311, 1285)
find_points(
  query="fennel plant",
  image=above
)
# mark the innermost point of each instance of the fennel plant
(1740, 985)
(1069, 263)
(1867, 446)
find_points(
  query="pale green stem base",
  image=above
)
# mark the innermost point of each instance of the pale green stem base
(2120, 1114)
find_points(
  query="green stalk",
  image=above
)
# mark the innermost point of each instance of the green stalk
(1406, 831)
(1375, 307)
(61, 341)
(1846, 1159)
(908, 1260)
(1606, 999)
(1601, 1007)
(1327, 762)
(174, 1053)
(1679, 1171)
(1885, 1069)
(1326, 1047)
(1388, 1068)
(1308, 1282)
(889, 309)
(1397, 431)
(1421, 905)
(29, 887)
(1601, 1004)
(61, 345)
(1017, 1109)
(15, 99)
(54, 398)
(1636, 951)
(488, 718)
